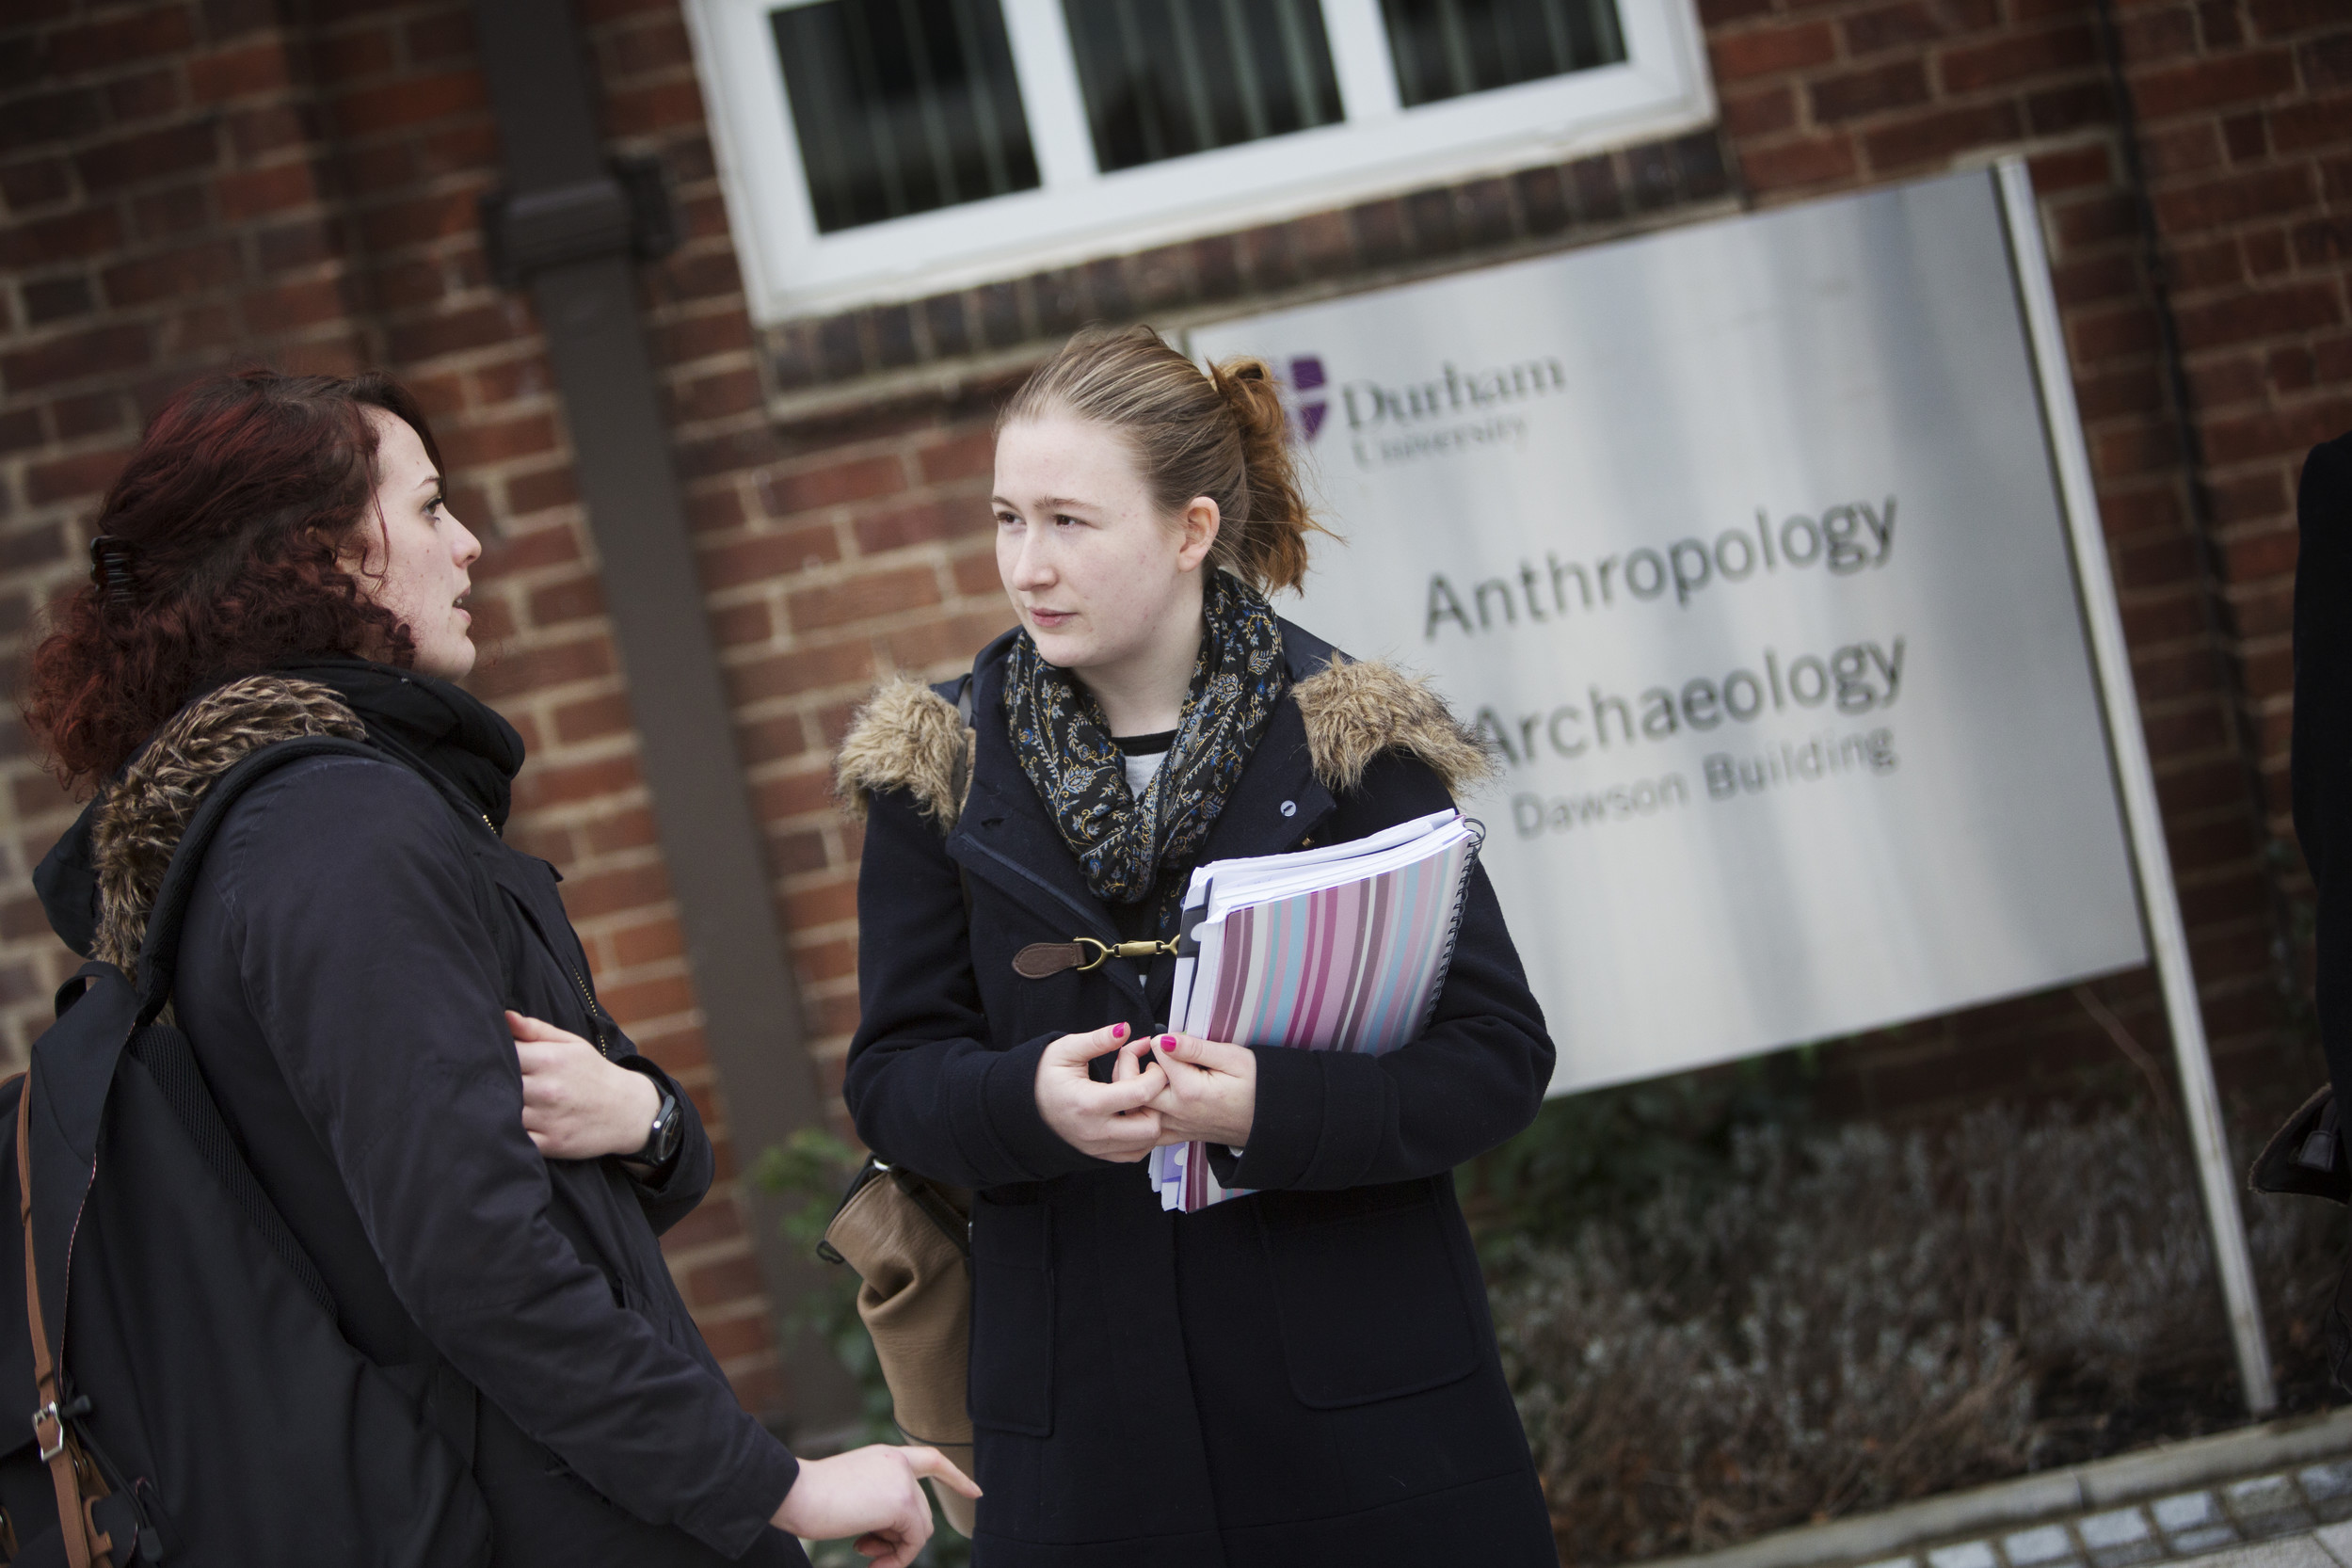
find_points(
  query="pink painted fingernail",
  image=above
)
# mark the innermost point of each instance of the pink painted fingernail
(1167, 1042)
(1118, 1032)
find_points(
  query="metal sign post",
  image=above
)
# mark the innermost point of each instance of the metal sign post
(2160, 904)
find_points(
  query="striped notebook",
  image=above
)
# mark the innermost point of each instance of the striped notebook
(1343, 948)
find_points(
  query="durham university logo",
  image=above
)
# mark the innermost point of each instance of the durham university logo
(1306, 412)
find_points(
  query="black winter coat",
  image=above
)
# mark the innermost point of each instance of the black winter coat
(1307, 1375)
(352, 941)
(2323, 734)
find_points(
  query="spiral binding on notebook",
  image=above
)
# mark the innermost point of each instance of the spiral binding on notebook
(1453, 932)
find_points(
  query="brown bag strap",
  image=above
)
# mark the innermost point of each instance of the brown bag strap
(85, 1545)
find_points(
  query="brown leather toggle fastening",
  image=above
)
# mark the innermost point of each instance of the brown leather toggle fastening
(1041, 959)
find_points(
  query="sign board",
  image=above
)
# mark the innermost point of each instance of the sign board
(1744, 545)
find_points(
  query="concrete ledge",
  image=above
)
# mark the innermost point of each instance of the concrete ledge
(2051, 1493)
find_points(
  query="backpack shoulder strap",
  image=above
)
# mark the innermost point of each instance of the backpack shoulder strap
(51, 1433)
(160, 952)
(72, 1069)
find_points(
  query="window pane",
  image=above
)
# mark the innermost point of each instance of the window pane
(1448, 48)
(902, 106)
(1165, 78)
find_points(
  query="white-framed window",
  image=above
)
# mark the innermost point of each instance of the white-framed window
(878, 150)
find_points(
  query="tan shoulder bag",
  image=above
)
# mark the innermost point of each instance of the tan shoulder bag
(910, 1239)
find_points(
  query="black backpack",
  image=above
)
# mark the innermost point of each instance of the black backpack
(191, 1398)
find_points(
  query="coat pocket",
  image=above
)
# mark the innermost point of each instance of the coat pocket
(1368, 1292)
(1012, 1376)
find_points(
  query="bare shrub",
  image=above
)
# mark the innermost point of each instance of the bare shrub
(1854, 1318)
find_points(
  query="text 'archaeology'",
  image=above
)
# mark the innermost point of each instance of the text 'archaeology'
(1857, 678)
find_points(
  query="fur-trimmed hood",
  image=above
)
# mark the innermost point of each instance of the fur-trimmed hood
(908, 737)
(905, 737)
(138, 819)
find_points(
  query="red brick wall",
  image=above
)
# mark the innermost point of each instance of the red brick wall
(190, 183)
(2245, 117)
(2240, 112)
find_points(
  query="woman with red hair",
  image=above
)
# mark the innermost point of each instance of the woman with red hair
(388, 1003)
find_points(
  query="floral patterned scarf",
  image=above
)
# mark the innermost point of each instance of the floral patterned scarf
(1124, 843)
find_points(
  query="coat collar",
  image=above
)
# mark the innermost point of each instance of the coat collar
(910, 737)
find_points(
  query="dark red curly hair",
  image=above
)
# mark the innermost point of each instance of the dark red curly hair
(230, 524)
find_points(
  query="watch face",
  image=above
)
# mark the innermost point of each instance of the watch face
(668, 1127)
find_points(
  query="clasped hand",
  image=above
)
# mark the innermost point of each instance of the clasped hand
(1164, 1089)
(577, 1105)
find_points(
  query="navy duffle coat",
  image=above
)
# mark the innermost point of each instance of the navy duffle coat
(1305, 1375)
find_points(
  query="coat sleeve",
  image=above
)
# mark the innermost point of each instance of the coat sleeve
(1332, 1119)
(2322, 746)
(368, 957)
(925, 1083)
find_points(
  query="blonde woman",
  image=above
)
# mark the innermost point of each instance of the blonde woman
(1305, 1375)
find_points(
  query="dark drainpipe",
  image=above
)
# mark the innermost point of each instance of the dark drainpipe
(570, 225)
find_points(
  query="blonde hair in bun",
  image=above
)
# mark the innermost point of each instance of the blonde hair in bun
(1222, 435)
